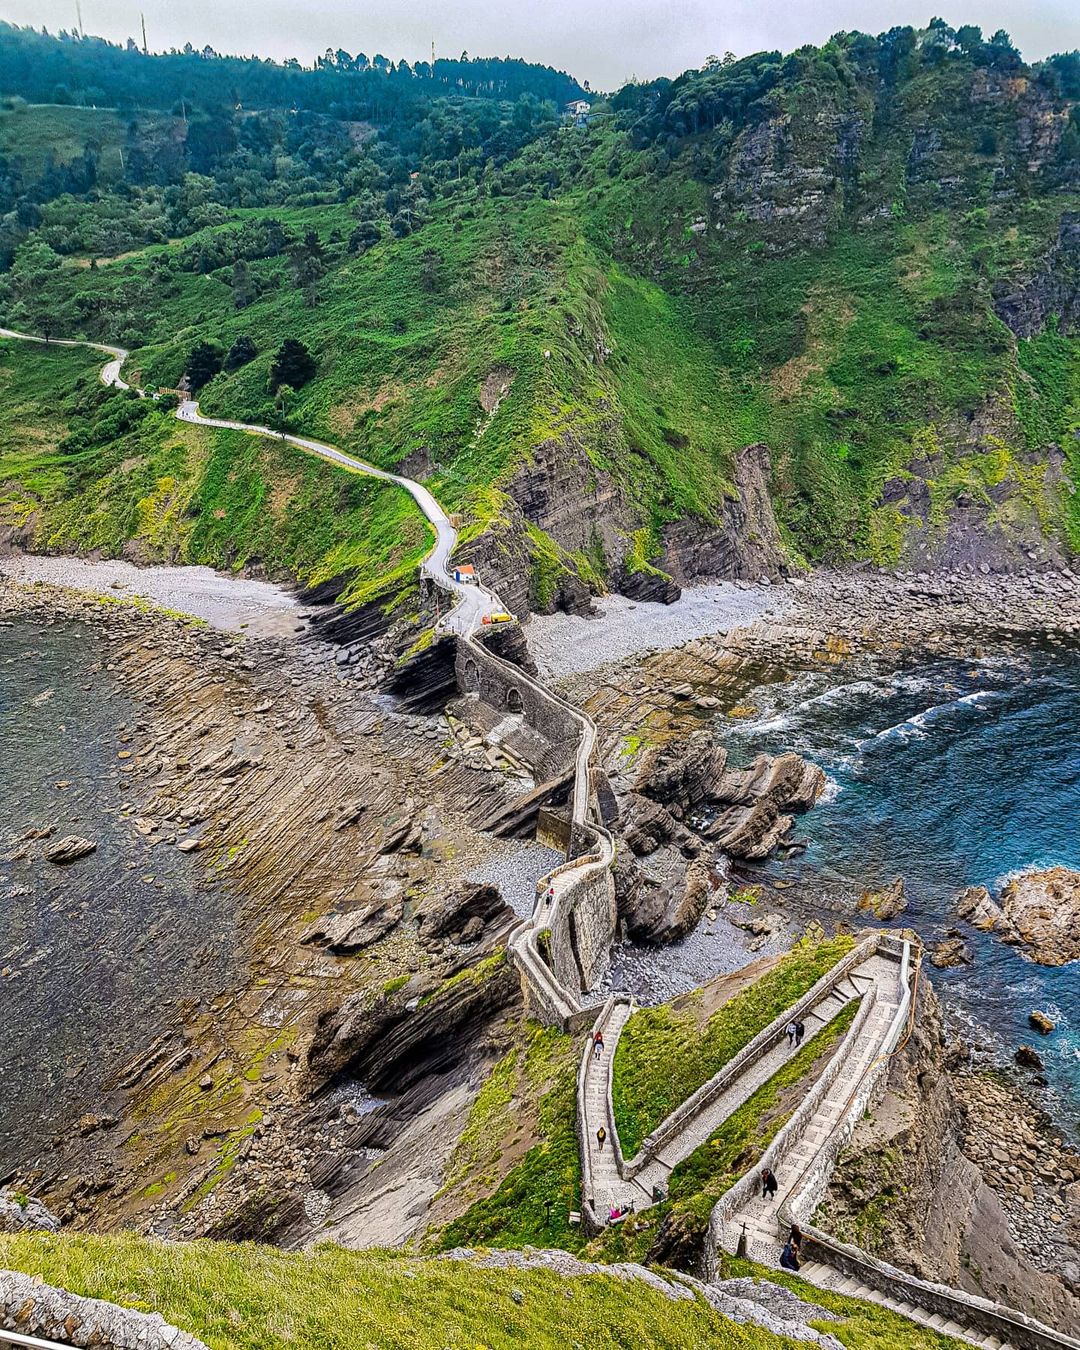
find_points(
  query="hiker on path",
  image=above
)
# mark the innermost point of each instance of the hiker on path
(800, 1032)
(598, 1045)
(789, 1257)
(792, 1032)
(769, 1184)
(601, 1135)
(795, 1237)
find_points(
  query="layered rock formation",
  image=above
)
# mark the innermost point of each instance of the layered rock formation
(684, 802)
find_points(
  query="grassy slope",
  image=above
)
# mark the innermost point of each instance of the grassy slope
(101, 469)
(655, 351)
(243, 1297)
(537, 1080)
(32, 132)
(665, 1054)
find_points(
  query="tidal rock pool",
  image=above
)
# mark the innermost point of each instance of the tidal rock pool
(96, 954)
(949, 774)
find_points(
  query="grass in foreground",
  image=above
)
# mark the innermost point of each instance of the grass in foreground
(665, 1054)
(246, 1297)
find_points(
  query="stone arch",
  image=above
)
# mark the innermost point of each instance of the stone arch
(471, 675)
(514, 702)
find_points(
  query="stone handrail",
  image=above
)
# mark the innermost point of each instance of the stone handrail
(785, 1141)
(967, 1310)
(762, 1043)
(805, 1196)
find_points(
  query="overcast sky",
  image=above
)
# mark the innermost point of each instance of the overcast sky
(605, 41)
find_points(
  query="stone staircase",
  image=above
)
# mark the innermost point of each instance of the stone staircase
(827, 1277)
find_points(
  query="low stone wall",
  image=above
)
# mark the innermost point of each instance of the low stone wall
(762, 1043)
(783, 1145)
(801, 1203)
(34, 1309)
(968, 1310)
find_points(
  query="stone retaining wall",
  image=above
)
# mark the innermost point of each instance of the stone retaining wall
(31, 1308)
(784, 1144)
(801, 1203)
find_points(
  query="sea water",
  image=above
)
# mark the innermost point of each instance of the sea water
(949, 774)
(94, 956)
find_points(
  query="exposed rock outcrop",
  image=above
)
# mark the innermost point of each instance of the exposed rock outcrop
(69, 849)
(20, 1213)
(887, 903)
(34, 1309)
(1042, 910)
(1037, 911)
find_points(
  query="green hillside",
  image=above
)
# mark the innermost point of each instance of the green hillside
(864, 257)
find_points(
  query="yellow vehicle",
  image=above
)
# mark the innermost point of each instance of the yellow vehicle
(500, 616)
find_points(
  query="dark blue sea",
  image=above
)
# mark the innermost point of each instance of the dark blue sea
(948, 774)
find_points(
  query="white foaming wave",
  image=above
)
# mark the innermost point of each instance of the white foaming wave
(972, 699)
(913, 728)
(831, 791)
(1040, 865)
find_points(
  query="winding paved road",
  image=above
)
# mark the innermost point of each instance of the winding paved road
(473, 603)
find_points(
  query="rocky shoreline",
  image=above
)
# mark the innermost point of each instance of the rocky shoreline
(337, 823)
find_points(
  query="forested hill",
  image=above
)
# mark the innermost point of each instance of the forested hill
(91, 71)
(795, 308)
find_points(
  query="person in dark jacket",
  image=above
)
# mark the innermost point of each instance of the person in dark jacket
(789, 1257)
(800, 1032)
(769, 1183)
(795, 1237)
(601, 1135)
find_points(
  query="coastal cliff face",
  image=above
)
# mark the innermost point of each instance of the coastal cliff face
(959, 1180)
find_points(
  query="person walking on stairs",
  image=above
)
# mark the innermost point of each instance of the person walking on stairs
(800, 1032)
(769, 1184)
(792, 1032)
(789, 1257)
(601, 1135)
(598, 1045)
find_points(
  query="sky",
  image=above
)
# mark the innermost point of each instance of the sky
(603, 41)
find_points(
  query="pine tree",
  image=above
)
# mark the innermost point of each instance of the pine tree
(293, 365)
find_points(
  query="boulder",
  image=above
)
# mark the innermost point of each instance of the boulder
(461, 915)
(363, 921)
(1043, 913)
(950, 951)
(68, 849)
(1028, 1057)
(975, 905)
(1038, 1021)
(21, 1213)
(885, 904)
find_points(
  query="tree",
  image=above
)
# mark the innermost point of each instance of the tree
(42, 301)
(365, 236)
(293, 364)
(203, 363)
(240, 353)
(243, 285)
